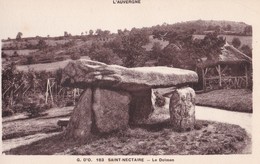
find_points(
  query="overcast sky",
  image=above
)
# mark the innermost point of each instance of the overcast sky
(53, 17)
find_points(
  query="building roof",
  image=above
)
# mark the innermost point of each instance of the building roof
(229, 55)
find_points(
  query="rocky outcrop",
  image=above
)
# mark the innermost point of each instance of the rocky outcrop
(111, 109)
(182, 109)
(86, 73)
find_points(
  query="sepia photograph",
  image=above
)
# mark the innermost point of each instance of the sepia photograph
(140, 81)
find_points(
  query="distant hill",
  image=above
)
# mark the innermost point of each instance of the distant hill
(201, 26)
(38, 49)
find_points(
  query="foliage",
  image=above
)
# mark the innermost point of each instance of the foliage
(7, 111)
(236, 42)
(33, 109)
(184, 51)
(19, 36)
(247, 50)
(104, 55)
(42, 44)
(133, 53)
(160, 101)
(248, 30)
(30, 59)
(75, 56)
(156, 51)
(91, 32)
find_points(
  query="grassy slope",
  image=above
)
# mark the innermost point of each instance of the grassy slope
(229, 99)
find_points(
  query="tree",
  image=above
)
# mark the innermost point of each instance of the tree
(99, 32)
(228, 27)
(106, 32)
(133, 53)
(236, 42)
(105, 55)
(91, 32)
(120, 32)
(42, 44)
(19, 36)
(210, 46)
(170, 56)
(66, 34)
(246, 50)
(156, 50)
(248, 30)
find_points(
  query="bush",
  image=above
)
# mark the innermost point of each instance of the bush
(75, 56)
(159, 100)
(34, 106)
(7, 112)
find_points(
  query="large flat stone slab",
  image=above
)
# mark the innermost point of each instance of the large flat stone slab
(85, 73)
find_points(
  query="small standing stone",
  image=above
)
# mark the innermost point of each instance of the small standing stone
(182, 109)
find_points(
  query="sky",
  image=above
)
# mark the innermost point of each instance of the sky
(53, 17)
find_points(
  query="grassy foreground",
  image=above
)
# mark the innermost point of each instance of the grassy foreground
(208, 138)
(230, 99)
(155, 137)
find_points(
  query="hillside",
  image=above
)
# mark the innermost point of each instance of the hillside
(38, 49)
(200, 26)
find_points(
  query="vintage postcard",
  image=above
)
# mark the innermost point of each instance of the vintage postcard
(129, 81)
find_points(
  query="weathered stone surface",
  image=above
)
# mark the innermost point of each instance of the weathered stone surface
(182, 109)
(80, 123)
(111, 109)
(141, 106)
(85, 73)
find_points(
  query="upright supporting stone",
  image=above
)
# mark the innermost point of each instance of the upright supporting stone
(111, 109)
(141, 106)
(182, 109)
(80, 123)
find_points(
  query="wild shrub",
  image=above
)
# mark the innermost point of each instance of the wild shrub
(75, 56)
(159, 100)
(34, 106)
(7, 111)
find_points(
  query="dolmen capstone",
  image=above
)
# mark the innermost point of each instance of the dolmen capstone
(116, 96)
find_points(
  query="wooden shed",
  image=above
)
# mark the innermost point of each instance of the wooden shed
(232, 69)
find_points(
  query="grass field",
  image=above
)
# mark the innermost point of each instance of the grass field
(230, 99)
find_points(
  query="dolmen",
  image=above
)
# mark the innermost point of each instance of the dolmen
(116, 96)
